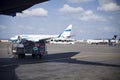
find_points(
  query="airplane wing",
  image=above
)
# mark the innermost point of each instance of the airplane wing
(34, 40)
(11, 7)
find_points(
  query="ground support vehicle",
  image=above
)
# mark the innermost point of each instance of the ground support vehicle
(29, 47)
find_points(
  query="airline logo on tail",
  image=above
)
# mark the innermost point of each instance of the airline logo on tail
(66, 33)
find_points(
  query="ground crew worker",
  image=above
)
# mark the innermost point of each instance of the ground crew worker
(19, 39)
(20, 45)
(20, 48)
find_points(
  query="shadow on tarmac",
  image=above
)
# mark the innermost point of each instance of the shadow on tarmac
(66, 58)
(8, 73)
(8, 65)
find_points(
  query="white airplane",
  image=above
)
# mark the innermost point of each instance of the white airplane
(65, 34)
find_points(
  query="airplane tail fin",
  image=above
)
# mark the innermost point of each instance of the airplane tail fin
(66, 33)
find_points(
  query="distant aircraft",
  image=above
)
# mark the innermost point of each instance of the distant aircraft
(62, 41)
(11, 7)
(65, 34)
(114, 37)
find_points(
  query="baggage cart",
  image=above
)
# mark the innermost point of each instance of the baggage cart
(28, 47)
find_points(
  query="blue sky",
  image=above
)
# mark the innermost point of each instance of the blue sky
(91, 19)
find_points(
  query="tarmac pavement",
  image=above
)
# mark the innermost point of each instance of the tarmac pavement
(63, 62)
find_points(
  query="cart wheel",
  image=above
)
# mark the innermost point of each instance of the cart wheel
(33, 55)
(40, 56)
(21, 56)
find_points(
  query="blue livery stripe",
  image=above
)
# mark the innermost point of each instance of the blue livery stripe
(68, 30)
(59, 35)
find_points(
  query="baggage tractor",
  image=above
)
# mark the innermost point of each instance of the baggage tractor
(34, 48)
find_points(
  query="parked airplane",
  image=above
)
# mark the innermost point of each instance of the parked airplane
(65, 34)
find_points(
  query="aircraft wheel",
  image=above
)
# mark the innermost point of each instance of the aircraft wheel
(21, 56)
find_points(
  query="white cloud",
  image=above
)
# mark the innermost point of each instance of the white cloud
(2, 27)
(90, 16)
(102, 2)
(79, 1)
(68, 9)
(33, 12)
(81, 13)
(109, 7)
